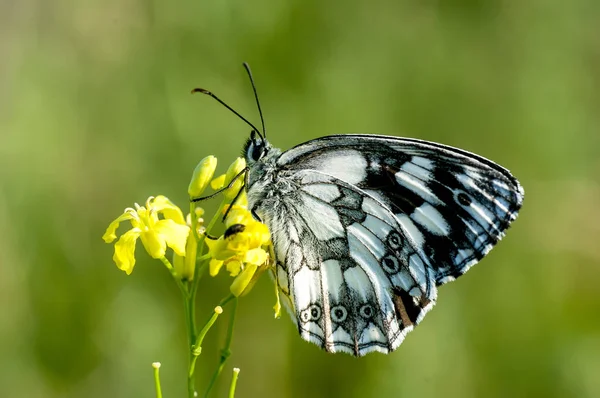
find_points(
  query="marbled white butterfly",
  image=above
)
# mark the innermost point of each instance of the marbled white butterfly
(366, 227)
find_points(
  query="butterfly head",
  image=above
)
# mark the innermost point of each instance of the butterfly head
(256, 147)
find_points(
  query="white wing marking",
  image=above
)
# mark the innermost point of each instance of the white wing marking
(378, 280)
(420, 275)
(333, 278)
(343, 337)
(347, 165)
(410, 182)
(372, 206)
(416, 170)
(369, 240)
(326, 192)
(423, 162)
(307, 291)
(480, 212)
(468, 181)
(430, 218)
(357, 280)
(411, 230)
(372, 334)
(403, 279)
(377, 226)
(322, 220)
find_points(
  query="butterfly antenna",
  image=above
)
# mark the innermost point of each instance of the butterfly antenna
(262, 120)
(210, 94)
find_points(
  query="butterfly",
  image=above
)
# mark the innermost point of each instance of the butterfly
(365, 228)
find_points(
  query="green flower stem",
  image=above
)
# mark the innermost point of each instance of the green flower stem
(197, 349)
(225, 352)
(175, 275)
(209, 227)
(156, 366)
(227, 300)
(190, 319)
(194, 284)
(236, 372)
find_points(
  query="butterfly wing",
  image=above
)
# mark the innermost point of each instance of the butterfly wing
(353, 278)
(458, 205)
(366, 227)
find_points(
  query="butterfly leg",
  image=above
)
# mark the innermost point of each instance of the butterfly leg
(253, 212)
(237, 196)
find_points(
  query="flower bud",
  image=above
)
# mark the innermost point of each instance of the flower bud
(203, 173)
(234, 170)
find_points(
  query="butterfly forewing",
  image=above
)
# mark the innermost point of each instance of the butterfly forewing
(366, 227)
(457, 204)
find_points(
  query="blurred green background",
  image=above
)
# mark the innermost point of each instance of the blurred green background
(95, 114)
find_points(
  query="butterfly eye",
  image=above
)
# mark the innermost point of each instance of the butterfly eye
(339, 313)
(315, 312)
(390, 264)
(394, 240)
(366, 311)
(255, 148)
(312, 313)
(463, 198)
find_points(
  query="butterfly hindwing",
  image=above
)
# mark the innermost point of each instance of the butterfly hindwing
(353, 278)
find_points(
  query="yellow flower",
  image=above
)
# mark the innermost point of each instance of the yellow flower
(243, 249)
(185, 266)
(156, 233)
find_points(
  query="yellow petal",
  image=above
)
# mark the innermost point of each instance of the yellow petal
(218, 182)
(214, 266)
(219, 249)
(175, 235)
(238, 215)
(255, 256)
(238, 243)
(202, 175)
(277, 306)
(234, 267)
(124, 255)
(154, 244)
(110, 234)
(241, 282)
(258, 234)
(169, 210)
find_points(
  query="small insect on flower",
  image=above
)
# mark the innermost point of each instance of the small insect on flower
(158, 224)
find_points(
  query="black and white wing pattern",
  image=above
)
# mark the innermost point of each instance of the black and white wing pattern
(365, 228)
